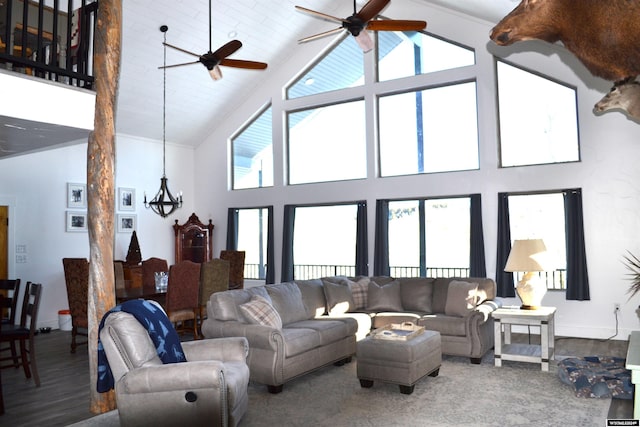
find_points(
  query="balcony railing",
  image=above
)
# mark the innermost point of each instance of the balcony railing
(556, 280)
(49, 42)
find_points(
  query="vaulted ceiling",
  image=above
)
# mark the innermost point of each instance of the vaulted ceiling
(195, 103)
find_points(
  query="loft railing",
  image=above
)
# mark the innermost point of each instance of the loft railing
(51, 40)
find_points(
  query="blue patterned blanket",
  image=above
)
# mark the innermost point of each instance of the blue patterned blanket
(161, 331)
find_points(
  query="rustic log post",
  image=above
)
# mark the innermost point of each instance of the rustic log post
(100, 184)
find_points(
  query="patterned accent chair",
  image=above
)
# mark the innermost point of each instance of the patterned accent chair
(183, 296)
(236, 265)
(214, 277)
(76, 275)
(149, 267)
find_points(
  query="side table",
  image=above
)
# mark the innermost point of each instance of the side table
(542, 317)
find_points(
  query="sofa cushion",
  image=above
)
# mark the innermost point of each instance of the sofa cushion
(225, 304)
(384, 298)
(329, 330)
(287, 300)
(359, 292)
(299, 340)
(313, 297)
(339, 299)
(461, 298)
(416, 294)
(446, 325)
(259, 311)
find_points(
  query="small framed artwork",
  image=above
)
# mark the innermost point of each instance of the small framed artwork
(126, 223)
(76, 195)
(76, 221)
(126, 199)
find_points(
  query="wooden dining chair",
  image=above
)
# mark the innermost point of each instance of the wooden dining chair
(25, 332)
(118, 271)
(9, 308)
(183, 296)
(214, 277)
(149, 267)
(76, 275)
(236, 268)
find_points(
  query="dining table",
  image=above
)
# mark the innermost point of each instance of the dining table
(144, 292)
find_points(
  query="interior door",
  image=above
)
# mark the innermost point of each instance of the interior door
(4, 242)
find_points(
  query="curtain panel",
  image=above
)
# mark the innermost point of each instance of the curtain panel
(232, 229)
(362, 241)
(504, 280)
(381, 245)
(477, 262)
(577, 276)
(287, 243)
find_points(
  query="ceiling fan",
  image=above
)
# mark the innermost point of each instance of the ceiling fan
(212, 60)
(360, 21)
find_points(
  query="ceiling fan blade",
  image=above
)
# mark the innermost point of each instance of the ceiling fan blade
(396, 25)
(320, 35)
(228, 49)
(179, 65)
(320, 15)
(180, 49)
(240, 63)
(372, 9)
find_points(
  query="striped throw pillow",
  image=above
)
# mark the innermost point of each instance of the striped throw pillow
(260, 311)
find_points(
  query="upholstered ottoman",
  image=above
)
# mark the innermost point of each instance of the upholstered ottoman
(399, 362)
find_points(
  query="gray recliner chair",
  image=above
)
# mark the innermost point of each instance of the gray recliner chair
(209, 389)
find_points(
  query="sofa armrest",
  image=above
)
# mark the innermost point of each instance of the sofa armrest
(258, 336)
(174, 376)
(223, 349)
(486, 308)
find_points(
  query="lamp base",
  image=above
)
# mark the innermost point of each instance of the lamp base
(531, 290)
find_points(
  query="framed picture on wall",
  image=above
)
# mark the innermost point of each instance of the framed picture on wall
(126, 199)
(126, 223)
(76, 195)
(76, 221)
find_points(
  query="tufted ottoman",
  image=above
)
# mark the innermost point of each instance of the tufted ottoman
(597, 376)
(399, 362)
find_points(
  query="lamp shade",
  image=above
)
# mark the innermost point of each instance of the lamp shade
(527, 255)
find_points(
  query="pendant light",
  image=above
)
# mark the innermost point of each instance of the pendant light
(164, 203)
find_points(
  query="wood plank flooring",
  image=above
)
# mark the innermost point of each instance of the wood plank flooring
(63, 397)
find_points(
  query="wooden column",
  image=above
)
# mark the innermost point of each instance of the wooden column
(100, 184)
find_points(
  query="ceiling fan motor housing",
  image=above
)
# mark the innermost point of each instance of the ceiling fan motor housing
(354, 25)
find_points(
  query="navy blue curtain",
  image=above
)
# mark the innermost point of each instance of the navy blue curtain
(477, 263)
(270, 274)
(577, 277)
(504, 280)
(362, 241)
(287, 243)
(381, 246)
(232, 229)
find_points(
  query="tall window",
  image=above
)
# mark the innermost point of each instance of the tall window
(324, 241)
(253, 153)
(327, 143)
(429, 237)
(253, 227)
(538, 119)
(541, 216)
(403, 54)
(433, 130)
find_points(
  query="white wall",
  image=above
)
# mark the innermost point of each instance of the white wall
(608, 173)
(34, 187)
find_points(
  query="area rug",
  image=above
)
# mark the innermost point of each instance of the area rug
(516, 394)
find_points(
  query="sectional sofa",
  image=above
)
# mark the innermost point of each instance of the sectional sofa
(296, 327)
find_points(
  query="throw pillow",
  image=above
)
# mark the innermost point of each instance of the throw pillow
(259, 311)
(359, 292)
(417, 294)
(384, 298)
(339, 299)
(461, 298)
(287, 300)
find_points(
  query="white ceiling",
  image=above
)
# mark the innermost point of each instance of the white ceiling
(195, 103)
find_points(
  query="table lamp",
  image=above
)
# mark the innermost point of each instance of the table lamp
(529, 256)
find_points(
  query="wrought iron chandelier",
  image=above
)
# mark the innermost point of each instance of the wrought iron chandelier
(164, 203)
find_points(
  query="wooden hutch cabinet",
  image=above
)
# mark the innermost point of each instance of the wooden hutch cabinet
(194, 240)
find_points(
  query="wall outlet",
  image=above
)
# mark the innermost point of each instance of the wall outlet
(616, 307)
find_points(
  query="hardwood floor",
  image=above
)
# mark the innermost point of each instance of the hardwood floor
(63, 397)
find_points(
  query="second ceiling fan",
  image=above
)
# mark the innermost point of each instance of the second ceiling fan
(212, 60)
(357, 23)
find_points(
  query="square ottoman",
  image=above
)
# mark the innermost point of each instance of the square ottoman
(399, 362)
